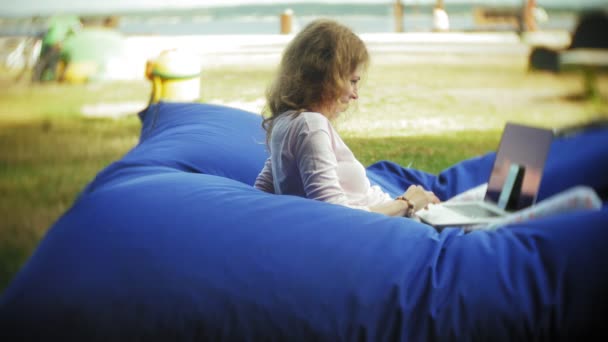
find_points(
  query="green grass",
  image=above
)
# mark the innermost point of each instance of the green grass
(429, 153)
(43, 166)
(423, 116)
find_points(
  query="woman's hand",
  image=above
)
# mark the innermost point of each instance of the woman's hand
(419, 198)
(414, 199)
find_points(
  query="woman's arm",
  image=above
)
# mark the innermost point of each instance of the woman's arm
(317, 165)
(414, 199)
(265, 181)
(393, 208)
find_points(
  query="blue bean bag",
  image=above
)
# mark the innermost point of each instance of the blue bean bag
(172, 242)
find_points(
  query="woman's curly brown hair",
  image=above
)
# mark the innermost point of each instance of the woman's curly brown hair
(314, 69)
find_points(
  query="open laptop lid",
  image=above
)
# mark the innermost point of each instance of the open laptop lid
(519, 165)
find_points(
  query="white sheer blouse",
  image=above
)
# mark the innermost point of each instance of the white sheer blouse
(309, 159)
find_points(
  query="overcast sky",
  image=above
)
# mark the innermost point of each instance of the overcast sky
(44, 7)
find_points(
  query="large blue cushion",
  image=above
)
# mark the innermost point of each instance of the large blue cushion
(173, 243)
(580, 159)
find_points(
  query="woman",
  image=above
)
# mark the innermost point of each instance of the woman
(317, 79)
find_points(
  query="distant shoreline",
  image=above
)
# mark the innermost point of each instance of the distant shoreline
(218, 51)
(265, 19)
(402, 48)
(313, 7)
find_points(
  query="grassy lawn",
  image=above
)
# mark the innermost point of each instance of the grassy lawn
(43, 165)
(424, 116)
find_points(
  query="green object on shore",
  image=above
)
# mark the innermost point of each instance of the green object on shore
(94, 45)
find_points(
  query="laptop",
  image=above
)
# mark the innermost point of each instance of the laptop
(513, 184)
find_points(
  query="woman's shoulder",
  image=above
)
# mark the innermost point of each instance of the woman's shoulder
(313, 121)
(302, 123)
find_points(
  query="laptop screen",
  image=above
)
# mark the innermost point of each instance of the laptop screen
(518, 168)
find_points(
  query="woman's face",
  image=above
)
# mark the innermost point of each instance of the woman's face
(350, 92)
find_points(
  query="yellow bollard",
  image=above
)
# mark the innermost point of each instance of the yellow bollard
(175, 76)
(287, 21)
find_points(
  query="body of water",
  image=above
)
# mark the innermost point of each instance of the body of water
(265, 19)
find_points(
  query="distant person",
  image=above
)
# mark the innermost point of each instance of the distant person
(59, 29)
(441, 21)
(317, 79)
(529, 18)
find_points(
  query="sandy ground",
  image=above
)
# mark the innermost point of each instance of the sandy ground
(453, 47)
(265, 50)
(222, 50)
